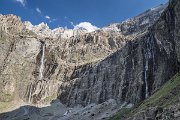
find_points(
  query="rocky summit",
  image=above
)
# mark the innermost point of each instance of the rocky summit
(127, 70)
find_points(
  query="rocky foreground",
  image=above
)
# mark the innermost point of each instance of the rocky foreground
(92, 75)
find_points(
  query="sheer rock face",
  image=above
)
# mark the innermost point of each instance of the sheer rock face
(90, 67)
(167, 29)
(122, 75)
(132, 73)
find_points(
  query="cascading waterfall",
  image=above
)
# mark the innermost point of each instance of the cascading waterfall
(41, 68)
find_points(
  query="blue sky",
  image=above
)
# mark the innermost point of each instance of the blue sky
(67, 12)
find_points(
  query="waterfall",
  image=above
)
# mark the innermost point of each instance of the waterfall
(146, 67)
(41, 68)
(149, 57)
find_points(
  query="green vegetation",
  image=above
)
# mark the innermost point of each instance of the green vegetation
(121, 114)
(167, 95)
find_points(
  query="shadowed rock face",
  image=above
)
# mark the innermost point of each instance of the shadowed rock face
(123, 75)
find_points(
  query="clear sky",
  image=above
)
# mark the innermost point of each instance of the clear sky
(67, 12)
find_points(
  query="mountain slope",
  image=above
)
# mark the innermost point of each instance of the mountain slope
(162, 104)
(117, 66)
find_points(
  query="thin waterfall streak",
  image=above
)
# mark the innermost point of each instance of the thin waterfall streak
(146, 67)
(42, 63)
(145, 76)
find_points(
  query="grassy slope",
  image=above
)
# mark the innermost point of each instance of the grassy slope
(167, 95)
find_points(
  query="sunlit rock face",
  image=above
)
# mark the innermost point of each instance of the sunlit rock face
(43, 30)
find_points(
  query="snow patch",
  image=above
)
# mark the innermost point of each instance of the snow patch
(145, 22)
(86, 26)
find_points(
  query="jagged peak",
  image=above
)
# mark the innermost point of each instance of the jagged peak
(43, 29)
(146, 18)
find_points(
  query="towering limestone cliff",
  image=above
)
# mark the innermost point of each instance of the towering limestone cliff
(36, 66)
(126, 62)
